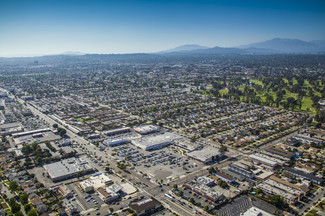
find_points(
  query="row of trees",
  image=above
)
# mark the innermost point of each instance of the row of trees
(34, 150)
(16, 207)
(61, 131)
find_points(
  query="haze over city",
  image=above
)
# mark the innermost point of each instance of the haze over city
(162, 107)
(29, 28)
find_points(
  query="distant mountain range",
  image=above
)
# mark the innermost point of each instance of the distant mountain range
(71, 53)
(273, 46)
(185, 48)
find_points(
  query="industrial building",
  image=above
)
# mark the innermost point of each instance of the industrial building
(146, 207)
(146, 129)
(115, 142)
(67, 168)
(154, 142)
(205, 155)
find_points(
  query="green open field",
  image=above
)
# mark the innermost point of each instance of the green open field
(306, 105)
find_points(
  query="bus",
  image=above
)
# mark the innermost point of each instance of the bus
(169, 196)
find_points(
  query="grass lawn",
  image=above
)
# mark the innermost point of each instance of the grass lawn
(80, 120)
(306, 83)
(317, 93)
(257, 82)
(306, 104)
(294, 81)
(312, 213)
(94, 119)
(285, 80)
(289, 94)
(241, 88)
(224, 91)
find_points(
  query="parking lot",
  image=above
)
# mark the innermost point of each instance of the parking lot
(87, 200)
(160, 165)
(237, 206)
(198, 199)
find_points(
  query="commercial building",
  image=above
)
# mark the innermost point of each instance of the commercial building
(154, 142)
(205, 181)
(146, 129)
(107, 195)
(40, 136)
(115, 142)
(241, 168)
(117, 131)
(202, 185)
(292, 142)
(307, 139)
(254, 211)
(26, 133)
(65, 142)
(67, 168)
(290, 192)
(304, 175)
(27, 98)
(270, 189)
(97, 180)
(146, 207)
(94, 136)
(205, 155)
(234, 175)
(223, 176)
(279, 153)
(299, 190)
(266, 161)
(10, 128)
(110, 193)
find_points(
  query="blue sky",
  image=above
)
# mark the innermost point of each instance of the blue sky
(126, 26)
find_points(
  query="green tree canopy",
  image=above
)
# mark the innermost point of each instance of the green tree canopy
(24, 198)
(13, 186)
(32, 212)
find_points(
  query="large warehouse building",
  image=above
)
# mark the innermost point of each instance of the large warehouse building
(67, 168)
(205, 155)
(154, 142)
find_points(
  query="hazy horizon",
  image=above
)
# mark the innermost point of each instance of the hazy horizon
(32, 28)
